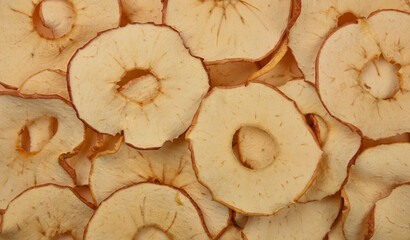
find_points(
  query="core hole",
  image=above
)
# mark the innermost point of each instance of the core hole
(139, 85)
(37, 133)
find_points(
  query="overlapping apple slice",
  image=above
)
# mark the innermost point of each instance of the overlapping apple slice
(142, 11)
(170, 165)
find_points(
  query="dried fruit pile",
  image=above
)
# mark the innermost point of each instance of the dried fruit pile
(204, 119)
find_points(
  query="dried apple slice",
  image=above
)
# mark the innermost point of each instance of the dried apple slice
(311, 220)
(252, 191)
(230, 73)
(142, 11)
(232, 233)
(376, 171)
(28, 51)
(45, 212)
(320, 17)
(55, 133)
(130, 212)
(336, 232)
(220, 30)
(170, 165)
(340, 144)
(367, 84)
(47, 82)
(389, 218)
(151, 109)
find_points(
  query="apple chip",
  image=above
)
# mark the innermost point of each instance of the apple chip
(45, 212)
(150, 109)
(137, 211)
(221, 30)
(47, 82)
(311, 220)
(230, 73)
(232, 233)
(54, 134)
(170, 165)
(245, 190)
(367, 84)
(320, 17)
(390, 216)
(142, 11)
(72, 23)
(376, 171)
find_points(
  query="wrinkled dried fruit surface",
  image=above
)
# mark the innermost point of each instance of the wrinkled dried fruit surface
(349, 76)
(35, 52)
(55, 133)
(230, 73)
(219, 30)
(170, 165)
(229, 181)
(180, 82)
(168, 210)
(142, 11)
(45, 212)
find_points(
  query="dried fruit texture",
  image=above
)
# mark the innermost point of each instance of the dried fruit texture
(222, 113)
(45, 212)
(391, 215)
(340, 144)
(175, 80)
(376, 171)
(46, 82)
(231, 233)
(167, 211)
(336, 232)
(285, 71)
(368, 143)
(230, 73)
(142, 11)
(57, 15)
(170, 165)
(54, 132)
(320, 17)
(349, 80)
(220, 30)
(239, 219)
(35, 53)
(299, 221)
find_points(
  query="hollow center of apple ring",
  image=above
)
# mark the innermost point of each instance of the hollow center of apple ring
(380, 78)
(149, 233)
(140, 86)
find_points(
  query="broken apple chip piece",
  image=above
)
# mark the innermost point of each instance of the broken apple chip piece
(390, 216)
(170, 165)
(150, 110)
(46, 82)
(311, 220)
(38, 134)
(339, 143)
(252, 191)
(367, 84)
(131, 211)
(221, 30)
(230, 73)
(26, 49)
(377, 170)
(142, 11)
(45, 212)
(320, 17)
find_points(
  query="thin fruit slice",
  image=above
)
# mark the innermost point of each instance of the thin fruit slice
(44, 212)
(390, 216)
(27, 51)
(311, 220)
(252, 191)
(232, 233)
(376, 171)
(220, 30)
(169, 165)
(130, 211)
(52, 125)
(340, 144)
(142, 11)
(336, 232)
(230, 73)
(155, 107)
(367, 84)
(239, 220)
(318, 18)
(47, 82)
